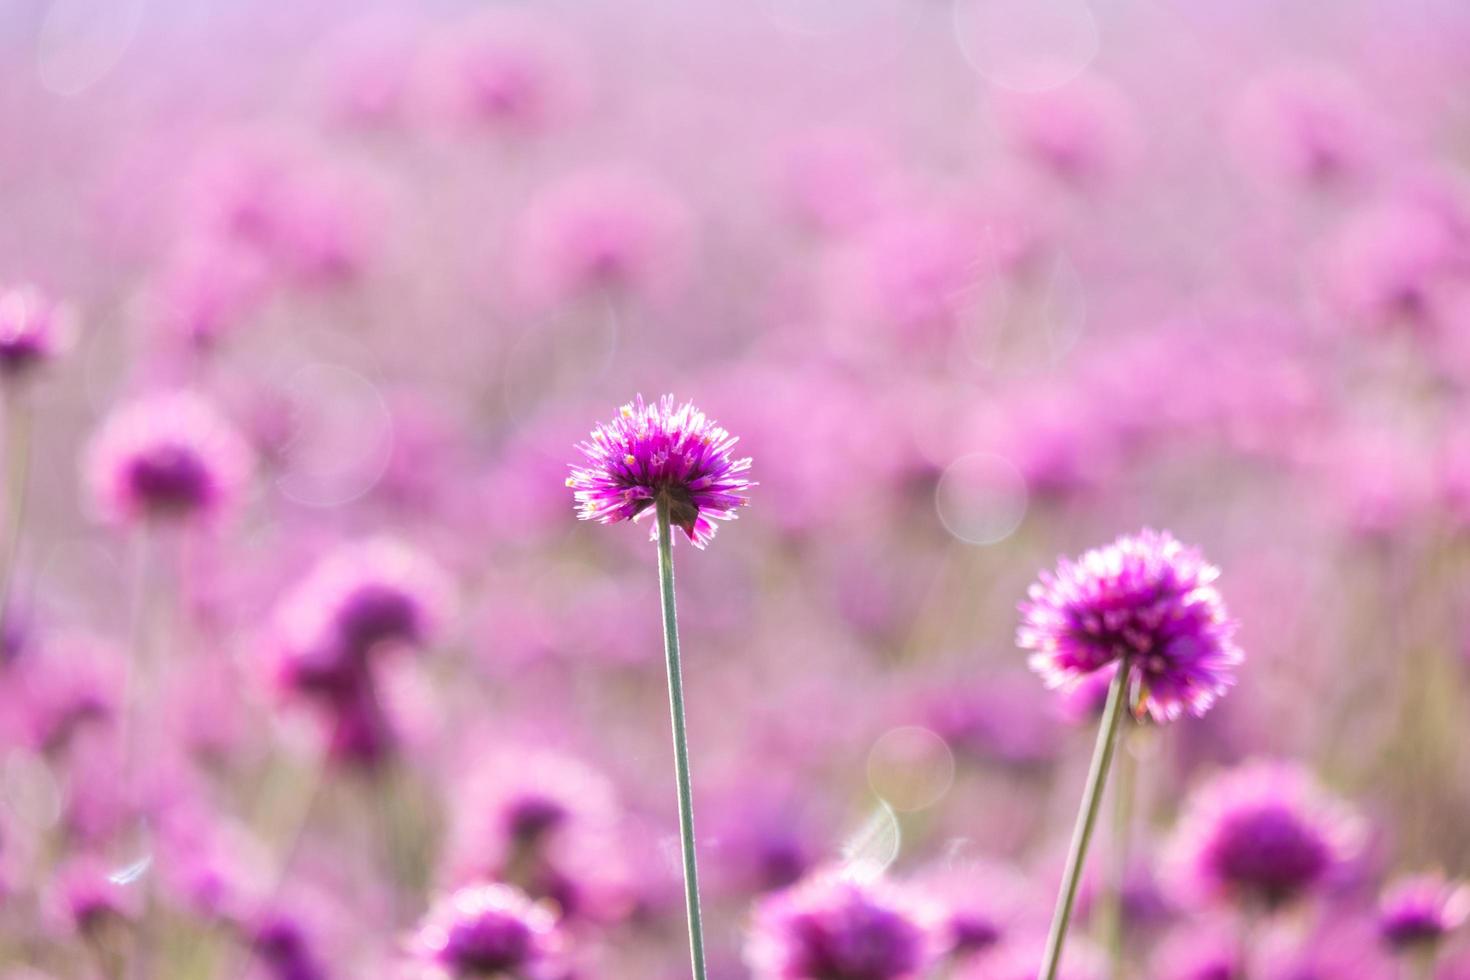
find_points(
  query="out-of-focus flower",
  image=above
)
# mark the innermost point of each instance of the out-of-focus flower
(1198, 951)
(544, 821)
(835, 180)
(1262, 834)
(1146, 597)
(657, 451)
(1397, 264)
(843, 926)
(34, 329)
(206, 289)
(283, 943)
(166, 456)
(90, 897)
(488, 930)
(912, 272)
(364, 595)
(1083, 134)
(1304, 127)
(1422, 910)
(602, 235)
(512, 75)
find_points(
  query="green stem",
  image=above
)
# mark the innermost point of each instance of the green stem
(681, 740)
(1097, 777)
(17, 471)
(1123, 790)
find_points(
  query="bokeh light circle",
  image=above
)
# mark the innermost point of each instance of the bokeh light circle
(981, 498)
(910, 768)
(341, 436)
(1027, 45)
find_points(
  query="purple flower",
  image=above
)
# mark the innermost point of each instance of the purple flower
(1421, 910)
(165, 456)
(602, 235)
(1264, 833)
(489, 930)
(1145, 597)
(33, 330)
(658, 451)
(842, 927)
(363, 596)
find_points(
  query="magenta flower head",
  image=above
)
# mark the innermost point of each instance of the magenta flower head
(168, 456)
(1147, 598)
(1421, 910)
(1262, 834)
(842, 926)
(33, 330)
(653, 452)
(365, 595)
(489, 930)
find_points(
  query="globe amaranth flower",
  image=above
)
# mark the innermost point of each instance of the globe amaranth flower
(33, 330)
(843, 926)
(660, 452)
(488, 930)
(1422, 910)
(168, 456)
(1147, 598)
(1262, 834)
(362, 596)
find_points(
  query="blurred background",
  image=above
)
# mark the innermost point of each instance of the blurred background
(977, 283)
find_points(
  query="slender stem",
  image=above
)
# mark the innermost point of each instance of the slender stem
(1097, 777)
(681, 740)
(17, 471)
(1117, 925)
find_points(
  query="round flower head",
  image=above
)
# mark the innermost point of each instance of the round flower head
(1264, 834)
(165, 456)
(602, 234)
(653, 452)
(487, 931)
(1145, 597)
(1422, 910)
(842, 927)
(33, 330)
(364, 595)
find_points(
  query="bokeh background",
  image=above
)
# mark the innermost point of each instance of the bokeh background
(977, 283)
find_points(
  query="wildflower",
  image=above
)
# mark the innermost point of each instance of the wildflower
(1264, 834)
(1422, 910)
(33, 330)
(659, 452)
(842, 927)
(168, 456)
(1147, 598)
(488, 930)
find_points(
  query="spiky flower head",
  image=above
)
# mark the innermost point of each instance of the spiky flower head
(1148, 598)
(1261, 834)
(1421, 910)
(487, 930)
(166, 456)
(843, 926)
(34, 329)
(660, 452)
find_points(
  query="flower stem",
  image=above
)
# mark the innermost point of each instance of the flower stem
(681, 740)
(17, 470)
(1097, 777)
(1117, 924)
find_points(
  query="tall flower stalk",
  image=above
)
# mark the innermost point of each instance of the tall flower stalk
(1147, 606)
(1097, 777)
(681, 736)
(674, 463)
